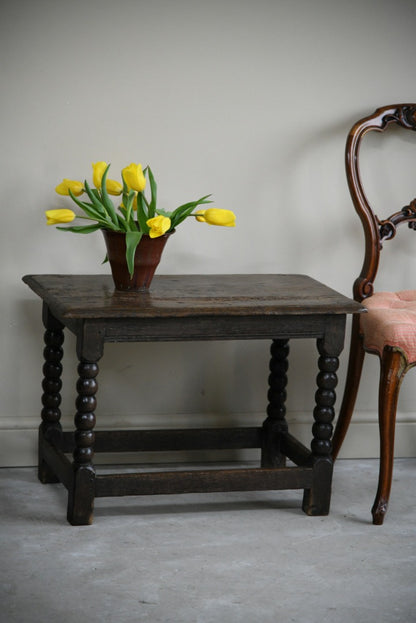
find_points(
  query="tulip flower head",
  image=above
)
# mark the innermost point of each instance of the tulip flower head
(159, 225)
(55, 217)
(98, 170)
(134, 177)
(77, 188)
(216, 216)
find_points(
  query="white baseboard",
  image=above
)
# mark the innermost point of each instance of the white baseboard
(18, 437)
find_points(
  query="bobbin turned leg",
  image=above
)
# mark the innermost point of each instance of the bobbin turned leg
(50, 429)
(316, 501)
(81, 494)
(275, 424)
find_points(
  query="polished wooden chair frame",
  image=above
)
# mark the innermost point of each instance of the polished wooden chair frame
(393, 359)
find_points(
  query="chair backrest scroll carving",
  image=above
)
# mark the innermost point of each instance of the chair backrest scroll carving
(376, 231)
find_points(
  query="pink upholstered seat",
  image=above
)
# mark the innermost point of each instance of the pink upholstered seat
(390, 321)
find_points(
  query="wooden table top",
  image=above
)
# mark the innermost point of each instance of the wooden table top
(94, 296)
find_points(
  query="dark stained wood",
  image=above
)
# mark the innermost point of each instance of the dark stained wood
(93, 296)
(316, 499)
(170, 440)
(178, 439)
(58, 464)
(275, 425)
(393, 369)
(203, 481)
(376, 232)
(202, 328)
(355, 366)
(190, 307)
(81, 495)
(294, 450)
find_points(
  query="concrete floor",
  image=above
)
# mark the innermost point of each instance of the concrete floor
(214, 558)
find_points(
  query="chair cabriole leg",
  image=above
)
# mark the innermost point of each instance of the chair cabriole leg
(393, 368)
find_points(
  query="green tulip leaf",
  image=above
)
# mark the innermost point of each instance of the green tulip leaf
(81, 229)
(95, 200)
(153, 190)
(87, 207)
(129, 206)
(132, 240)
(183, 211)
(108, 204)
(91, 212)
(142, 214)
(164, 213)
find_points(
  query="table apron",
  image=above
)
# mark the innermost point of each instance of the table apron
(207, 328)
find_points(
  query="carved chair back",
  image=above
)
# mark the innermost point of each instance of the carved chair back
(376, 231)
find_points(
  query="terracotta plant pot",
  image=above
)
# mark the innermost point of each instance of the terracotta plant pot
(146, 260)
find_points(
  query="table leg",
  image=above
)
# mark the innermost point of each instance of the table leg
(81, 494)
(50, 428)
(275, 423)
(316, 500)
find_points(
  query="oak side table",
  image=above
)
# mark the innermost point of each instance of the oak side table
(188, 307)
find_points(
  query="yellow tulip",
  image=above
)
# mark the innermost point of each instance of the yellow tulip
(134, 177)
(113, 187)
(77, 188)
(159, 225)
(98, 169)
(54, 217)
(216, 216)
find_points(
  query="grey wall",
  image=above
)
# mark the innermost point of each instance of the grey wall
(249, 101)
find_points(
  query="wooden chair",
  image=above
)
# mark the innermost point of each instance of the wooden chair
(388, 329)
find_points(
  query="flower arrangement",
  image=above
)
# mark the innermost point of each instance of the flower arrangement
(136, 215)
